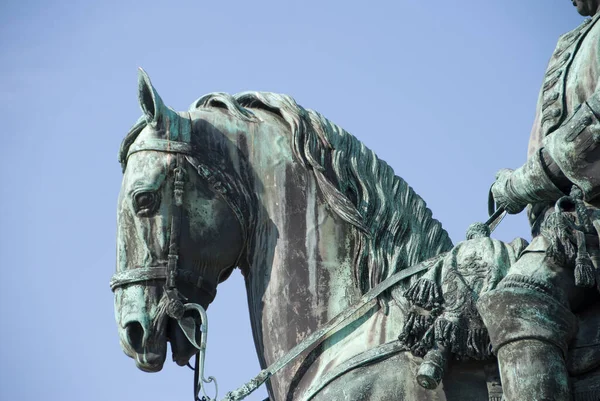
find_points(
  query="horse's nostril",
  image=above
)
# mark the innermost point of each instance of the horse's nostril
(135, 334)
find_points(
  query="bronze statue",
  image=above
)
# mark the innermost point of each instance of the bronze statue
(355, 291)
(318, 225)
(530, 316)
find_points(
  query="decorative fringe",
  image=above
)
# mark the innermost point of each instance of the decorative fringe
(557, 229)
(414, 333)
(451, 336)
(427, 342)
(585, 275)
(478, 344)
(425, 293)
(421, 333)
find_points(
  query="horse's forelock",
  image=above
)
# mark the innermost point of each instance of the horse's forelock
(129, 139)
(211, 100)
(224, 101)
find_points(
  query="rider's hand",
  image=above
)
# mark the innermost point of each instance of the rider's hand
(502, 192)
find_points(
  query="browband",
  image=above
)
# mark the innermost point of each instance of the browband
(161, 145)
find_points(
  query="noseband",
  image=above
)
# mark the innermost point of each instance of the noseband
(172, 301)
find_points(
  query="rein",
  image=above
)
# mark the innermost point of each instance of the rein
(366, 302)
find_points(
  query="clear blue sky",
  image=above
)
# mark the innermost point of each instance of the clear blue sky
(444, 91)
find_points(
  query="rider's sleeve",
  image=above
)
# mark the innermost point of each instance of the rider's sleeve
(571, 154)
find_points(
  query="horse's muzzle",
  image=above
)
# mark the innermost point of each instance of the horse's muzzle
(147, 347)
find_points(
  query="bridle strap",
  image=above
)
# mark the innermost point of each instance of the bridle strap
(365, 303)
(176, 217)
(141, 274)
(161, 145)
(134, 276)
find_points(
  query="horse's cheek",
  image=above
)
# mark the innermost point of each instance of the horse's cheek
(215, 230)
(203, 220)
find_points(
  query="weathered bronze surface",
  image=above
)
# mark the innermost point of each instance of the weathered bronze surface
(322, 231)
(531, 315)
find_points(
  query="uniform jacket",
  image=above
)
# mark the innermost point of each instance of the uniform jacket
(571, 79)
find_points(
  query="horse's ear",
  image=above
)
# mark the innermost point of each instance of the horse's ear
(150, 102)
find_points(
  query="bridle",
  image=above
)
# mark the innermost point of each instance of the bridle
(172, 303)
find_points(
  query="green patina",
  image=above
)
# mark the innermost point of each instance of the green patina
(316, 223)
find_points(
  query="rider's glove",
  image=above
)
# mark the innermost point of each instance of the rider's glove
(515, 189)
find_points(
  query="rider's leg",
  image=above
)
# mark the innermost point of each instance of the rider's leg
(530, 323)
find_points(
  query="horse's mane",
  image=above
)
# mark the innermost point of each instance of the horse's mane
(395, 229)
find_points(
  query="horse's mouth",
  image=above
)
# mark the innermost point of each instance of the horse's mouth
(149, 349)
(182, 350)
(150, 358)
(150, 362)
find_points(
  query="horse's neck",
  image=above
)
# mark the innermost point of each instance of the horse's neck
(301, 276)
(300, 272)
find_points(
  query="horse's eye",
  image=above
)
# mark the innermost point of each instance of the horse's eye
(146, 203)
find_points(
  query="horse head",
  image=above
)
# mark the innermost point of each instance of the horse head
(179, 233)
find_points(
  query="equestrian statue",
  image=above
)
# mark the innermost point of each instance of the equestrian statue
(355, 292)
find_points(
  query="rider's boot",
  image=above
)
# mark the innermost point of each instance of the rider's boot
(529, 331)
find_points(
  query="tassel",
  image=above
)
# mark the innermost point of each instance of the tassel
(415, 326)
(415, 333)
(424, 293)
(478, 344)
(557, 229)
(451, 335)
(421, 348)
(585, 276)
(584, 272)
(407, 337)
(428, 339)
